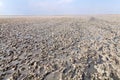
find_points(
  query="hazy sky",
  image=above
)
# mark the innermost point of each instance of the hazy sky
(59, 7)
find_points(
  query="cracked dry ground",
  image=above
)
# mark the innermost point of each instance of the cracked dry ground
(60, 48)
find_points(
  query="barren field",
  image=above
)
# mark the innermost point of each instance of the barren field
(60, 47)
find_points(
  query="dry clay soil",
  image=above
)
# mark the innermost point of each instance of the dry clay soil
(60, 47)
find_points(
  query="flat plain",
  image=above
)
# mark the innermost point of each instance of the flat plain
(60, 47)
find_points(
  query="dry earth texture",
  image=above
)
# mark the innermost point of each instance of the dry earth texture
(60, 47)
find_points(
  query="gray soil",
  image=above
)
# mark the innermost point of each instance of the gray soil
(60, 48)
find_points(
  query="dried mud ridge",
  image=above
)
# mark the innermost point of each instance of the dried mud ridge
(60, 48)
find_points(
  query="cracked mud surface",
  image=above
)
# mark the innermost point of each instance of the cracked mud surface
(60, 48)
